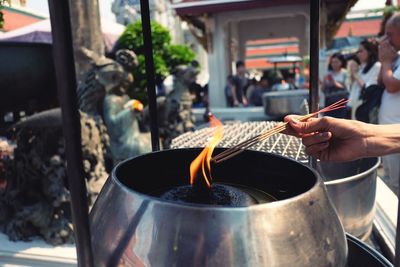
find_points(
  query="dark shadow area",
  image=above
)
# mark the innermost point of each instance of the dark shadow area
(281, 177)
(27, 80)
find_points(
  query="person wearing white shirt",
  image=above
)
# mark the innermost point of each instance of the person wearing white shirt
(354, 87)
(370, 67)
(334, 83)
(367, 74)
(390, 106)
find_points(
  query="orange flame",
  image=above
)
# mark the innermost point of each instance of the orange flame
(203, 160)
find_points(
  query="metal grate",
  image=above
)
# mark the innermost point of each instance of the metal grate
(237, 132)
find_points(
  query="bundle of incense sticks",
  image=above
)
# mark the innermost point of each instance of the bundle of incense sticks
(233, 151)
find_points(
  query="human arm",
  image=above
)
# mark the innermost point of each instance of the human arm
(372, 76)
(392, 85)
(234, 96)
(358, 80)
(244, 101)
(331, 139)
(330, 82)
(355, 77)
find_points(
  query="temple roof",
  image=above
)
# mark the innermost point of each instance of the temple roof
(363, 27)
(336, 9)
(15, 18)
(198, 7)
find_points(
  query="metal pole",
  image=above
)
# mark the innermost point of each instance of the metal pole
(151, 86)
(314, 60)
(397, 247)
(66, 84)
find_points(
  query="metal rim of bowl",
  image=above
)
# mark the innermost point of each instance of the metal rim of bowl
(355, 177)
(273, 204)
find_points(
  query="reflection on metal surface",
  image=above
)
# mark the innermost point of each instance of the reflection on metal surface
(281, 103)
(352, 187)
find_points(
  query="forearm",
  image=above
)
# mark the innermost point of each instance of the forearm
(233, 90)
(339, 85)
(392, 85)
(383, 140)
(358, 80)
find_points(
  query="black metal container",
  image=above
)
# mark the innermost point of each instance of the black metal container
(362, 255)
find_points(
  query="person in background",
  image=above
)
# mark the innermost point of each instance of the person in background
(160, 86)
(334, 83)
(366, 78)
(354, 87)
(291, 81)
(196, 90)
(240, 83)
(256, 97)
(206, 99)
(370, 67)
(280, 85)
(389, 112)
(229, 87)
(250, 89)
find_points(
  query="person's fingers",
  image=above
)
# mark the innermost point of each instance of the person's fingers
(317, 138)
(317, 149)
(310, 126)
(312, 119)
(288, 118)
(289, 130)
(295, 131)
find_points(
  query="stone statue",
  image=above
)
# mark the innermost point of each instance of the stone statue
(175, 115)
(126, 11)
(105, 76)
(36, 198)
(103, 96)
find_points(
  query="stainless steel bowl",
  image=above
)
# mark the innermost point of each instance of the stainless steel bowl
(280, 103)
(130, 227)
(352, 187)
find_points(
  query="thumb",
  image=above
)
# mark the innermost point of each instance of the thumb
(310, 126)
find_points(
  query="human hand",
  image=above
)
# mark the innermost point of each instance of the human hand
(353, 68)
(329, 78)
(235, 103)
(244, 102)
(330, 139)
(387, 53)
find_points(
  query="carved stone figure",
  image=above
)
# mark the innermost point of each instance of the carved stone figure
(36, 199)
(175, 115)
(103, 96)
(126, 11)
(105, 76)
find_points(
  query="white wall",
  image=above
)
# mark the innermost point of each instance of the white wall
(284, 21)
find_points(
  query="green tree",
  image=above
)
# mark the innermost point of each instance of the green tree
(2, 3)
(166, 56)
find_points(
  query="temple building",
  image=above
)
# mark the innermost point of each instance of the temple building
(226, 27)
(18, 15)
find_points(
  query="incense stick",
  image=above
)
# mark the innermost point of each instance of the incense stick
(233, 151)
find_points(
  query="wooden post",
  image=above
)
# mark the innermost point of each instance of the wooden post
(86, 32)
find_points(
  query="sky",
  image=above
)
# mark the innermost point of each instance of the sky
(42, 7)
(369, 4)
(105, 6)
